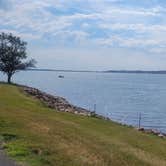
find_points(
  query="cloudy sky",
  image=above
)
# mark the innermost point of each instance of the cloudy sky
(90, 34)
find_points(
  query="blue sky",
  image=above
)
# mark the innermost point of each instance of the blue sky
(90, 34)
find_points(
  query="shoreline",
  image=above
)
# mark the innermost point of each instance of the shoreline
(32, 133)
(59, 103)
(62, 105)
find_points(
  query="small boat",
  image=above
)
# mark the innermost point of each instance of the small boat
(60, 76)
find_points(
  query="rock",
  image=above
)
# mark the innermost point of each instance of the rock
(149, 131)
(155, 132)
(56, 102)
(141, 129)
(161, 135)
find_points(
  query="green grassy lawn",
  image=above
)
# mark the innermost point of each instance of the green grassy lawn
(38, 136)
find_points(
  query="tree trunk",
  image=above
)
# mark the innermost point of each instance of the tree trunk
(9, 78)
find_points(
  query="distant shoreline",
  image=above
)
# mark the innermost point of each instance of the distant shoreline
(107, 71)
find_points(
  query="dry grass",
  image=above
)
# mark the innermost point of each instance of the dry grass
(39, 136)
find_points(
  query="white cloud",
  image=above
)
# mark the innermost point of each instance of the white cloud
(141, 43)
(25, 36)
(87, 23)
(140, 28)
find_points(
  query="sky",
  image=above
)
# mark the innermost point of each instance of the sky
(90, 34)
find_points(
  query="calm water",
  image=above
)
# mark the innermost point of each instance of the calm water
(122, 97)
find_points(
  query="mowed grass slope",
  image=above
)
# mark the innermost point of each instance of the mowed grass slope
(38, 136)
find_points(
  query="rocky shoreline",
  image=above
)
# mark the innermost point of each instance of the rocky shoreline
(62, 105)
(56, 102)
(152, 131)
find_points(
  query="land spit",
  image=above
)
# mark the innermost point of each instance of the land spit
(62, 105)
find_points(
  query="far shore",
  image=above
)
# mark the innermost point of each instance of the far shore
(104, 71)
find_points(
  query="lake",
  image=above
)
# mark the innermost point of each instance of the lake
(122, 97)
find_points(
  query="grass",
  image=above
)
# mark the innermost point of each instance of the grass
(38, 136)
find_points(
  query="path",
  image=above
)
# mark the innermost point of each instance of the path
(4, 161)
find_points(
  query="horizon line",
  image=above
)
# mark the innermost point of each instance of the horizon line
(101, 71)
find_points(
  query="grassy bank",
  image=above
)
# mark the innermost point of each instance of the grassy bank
(39, 136)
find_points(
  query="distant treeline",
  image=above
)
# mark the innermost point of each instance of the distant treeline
(136, 71)
(107, 71)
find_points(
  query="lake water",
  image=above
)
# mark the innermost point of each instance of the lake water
(122, 97)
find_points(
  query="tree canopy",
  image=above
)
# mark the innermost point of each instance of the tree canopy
(13, 55)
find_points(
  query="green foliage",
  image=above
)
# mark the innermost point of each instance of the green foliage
(12, 55)
(17, 151)
(8, 136)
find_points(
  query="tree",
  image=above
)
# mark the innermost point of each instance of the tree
(13, 55)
